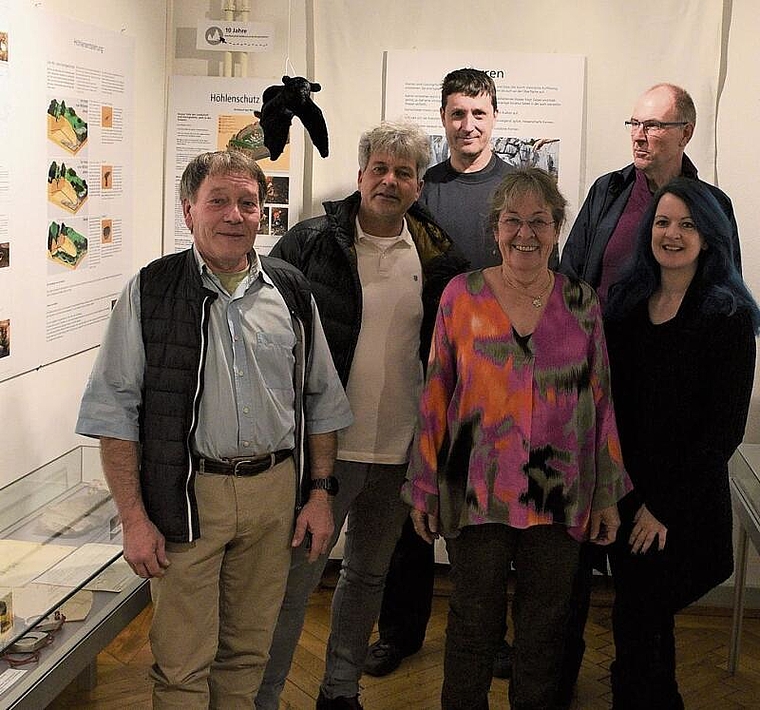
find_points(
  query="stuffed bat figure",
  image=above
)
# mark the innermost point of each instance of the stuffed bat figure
(280, 104)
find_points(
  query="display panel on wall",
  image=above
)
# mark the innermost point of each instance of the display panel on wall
(66, 137)
(214, 113)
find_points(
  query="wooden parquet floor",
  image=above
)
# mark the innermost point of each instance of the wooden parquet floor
(702, 639)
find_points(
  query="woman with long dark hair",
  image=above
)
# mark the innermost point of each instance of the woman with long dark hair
(681, 336)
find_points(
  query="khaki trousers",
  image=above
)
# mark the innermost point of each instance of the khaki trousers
(215, 609)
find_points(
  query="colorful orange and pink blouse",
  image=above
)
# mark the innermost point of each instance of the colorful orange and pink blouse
(516, 430)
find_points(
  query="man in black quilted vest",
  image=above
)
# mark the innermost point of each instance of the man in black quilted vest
(216, 403)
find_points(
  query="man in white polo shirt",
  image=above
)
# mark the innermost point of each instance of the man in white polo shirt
(377, 264)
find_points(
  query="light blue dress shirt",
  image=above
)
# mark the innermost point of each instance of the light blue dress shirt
(247, 404)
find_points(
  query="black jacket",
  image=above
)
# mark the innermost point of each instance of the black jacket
(682, 391)
(174, 309)
(323, 249)
(584, 250)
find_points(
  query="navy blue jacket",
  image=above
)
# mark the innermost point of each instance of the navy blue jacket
(584, 249)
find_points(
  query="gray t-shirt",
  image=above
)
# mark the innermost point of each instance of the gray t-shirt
(460, 203)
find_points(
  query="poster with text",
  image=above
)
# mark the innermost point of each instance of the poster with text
(6, 98)
(65, 185)
(216, 113)
(540, 101)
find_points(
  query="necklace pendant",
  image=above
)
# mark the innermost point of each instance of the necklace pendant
(537, 302)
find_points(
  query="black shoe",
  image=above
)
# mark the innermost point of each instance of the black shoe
(502, 661)
(340, 703)
(383, 658)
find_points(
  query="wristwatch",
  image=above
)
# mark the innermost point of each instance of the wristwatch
(329, 484)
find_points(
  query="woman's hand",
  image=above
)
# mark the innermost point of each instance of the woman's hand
(646, 529)
(604, 525)
(425, 525)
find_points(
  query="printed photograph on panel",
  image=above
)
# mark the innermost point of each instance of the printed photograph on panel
(65, 128)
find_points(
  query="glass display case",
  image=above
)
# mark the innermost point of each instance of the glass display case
(60, 552)
(744, 479)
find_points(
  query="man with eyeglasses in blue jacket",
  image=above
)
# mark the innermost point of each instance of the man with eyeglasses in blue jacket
(602, 237)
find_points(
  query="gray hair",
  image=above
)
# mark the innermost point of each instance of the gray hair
(221, 162)
(528, 181)
(684, 104)
(400, 139)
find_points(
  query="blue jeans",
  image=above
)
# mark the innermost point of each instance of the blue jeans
(370, 497)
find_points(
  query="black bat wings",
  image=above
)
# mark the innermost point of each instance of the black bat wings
(280, 104)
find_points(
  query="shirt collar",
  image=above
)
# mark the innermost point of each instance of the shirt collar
(405, 236)
(254, 270)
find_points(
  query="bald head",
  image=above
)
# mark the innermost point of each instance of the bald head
(663, 123)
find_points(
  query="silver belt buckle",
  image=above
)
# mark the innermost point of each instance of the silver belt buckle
(237, 464)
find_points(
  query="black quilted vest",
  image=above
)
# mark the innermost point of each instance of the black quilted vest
(174, 308)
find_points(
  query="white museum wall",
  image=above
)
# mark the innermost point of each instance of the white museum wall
(738, 160)
(738, 155)
(628, 48)
(287, 55)
(38, 409)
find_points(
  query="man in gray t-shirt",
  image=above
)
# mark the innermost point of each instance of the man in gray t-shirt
(460, 199)
(458, 190)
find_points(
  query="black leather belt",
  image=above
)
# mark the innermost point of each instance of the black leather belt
(241, 466)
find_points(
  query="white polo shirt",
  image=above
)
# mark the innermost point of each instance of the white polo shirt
(386, 373)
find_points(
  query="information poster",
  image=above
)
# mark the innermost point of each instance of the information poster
(65, 185)
(5, 202)
(539, 97)
(214, 113)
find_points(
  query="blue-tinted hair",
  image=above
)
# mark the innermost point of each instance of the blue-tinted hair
(725, 291)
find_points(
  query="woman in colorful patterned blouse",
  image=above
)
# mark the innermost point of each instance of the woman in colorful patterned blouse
(681, 330)
(517, 457)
